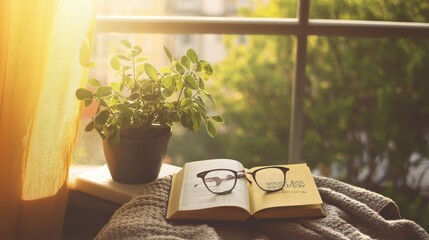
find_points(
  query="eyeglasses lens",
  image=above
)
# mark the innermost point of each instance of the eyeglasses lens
(220, 181)
(270, 179)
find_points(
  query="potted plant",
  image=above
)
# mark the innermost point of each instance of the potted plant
(134, 116)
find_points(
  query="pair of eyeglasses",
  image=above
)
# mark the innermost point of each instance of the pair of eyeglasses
(223, 181)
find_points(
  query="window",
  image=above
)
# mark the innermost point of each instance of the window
(106, 40)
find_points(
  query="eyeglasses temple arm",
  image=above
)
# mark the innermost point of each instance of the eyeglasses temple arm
(198, 184)
(244, 175)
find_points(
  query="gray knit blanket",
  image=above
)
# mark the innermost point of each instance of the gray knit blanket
(352, 213)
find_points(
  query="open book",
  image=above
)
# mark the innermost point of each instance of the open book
(190, 199)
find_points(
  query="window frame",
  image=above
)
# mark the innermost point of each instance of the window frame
(301, 27)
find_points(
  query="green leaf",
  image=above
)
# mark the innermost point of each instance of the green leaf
(186, 121)
(89, 126)
(103, 91)
(191, 82)
(151, 97)
(167, 52)
(139, 69)
(129, 82)
(211, 128)
(114, 100)
(192, 55)
(188, 93)
(97, 110)
(136, 122)
(196, 119)
(165, 70)
(147, 83)
(84, 94)
(176, 79)
(179, 85)
(208, 68)
(115, 63)
(123, 57)
(103, 103)
(134, 96)
(200, 102)
(115, 86)
(167, 92)
(141, 59)
(94, 82)
(185, 103)
(204, 67)
(87, 102)
(202, 112)
(124, 109)
(167, 81)
(201, 83)
(180, 68)
(136, 50)
(112, 135)
(151, 71)
(218, 119)
(185, 62)
(133, 105)
(209, 96)
(126, 43)
(102, 118)
(173, 116)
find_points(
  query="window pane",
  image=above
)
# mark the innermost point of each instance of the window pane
(260, 8)
(366, 107)
(389, 10)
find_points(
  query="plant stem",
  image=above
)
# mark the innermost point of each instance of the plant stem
(180, 95)
(196, 93)
(134, 67)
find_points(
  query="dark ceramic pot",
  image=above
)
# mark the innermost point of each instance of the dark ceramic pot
(137, 161)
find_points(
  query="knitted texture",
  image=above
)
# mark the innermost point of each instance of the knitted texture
(352, 213)
(144, 218)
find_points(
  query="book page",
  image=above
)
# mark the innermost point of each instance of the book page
(300, 189)
(199, 197)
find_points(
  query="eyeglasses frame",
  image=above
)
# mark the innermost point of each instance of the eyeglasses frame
(283, 169)
(236, 176)
(235, 173)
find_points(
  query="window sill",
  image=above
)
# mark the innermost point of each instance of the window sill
(97, 182)
(94, 197)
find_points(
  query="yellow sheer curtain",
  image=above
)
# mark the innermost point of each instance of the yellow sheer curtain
(39, 71)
